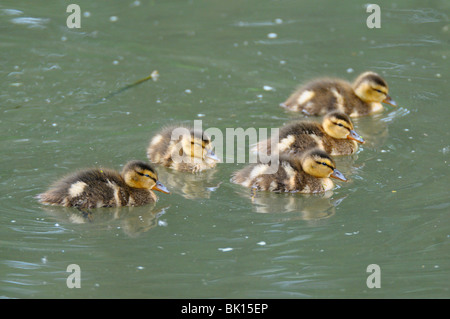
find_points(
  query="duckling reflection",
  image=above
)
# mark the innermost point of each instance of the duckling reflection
(132, 220)
(190, 186)
(311, 207)
(374, 130)
(137, 221)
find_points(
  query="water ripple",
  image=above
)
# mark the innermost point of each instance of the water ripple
(419, 16)
(12, 12)
(31, 22)
(395, 114)
(20, 264)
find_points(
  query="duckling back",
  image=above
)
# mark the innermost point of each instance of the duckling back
(159, 151)
(290, 177)
(322, 96)
(299, 136)
(293, 138)
(94, 188)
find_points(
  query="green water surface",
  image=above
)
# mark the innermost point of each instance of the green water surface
(227, 63)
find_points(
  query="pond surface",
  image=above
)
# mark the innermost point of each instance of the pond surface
(229, 64)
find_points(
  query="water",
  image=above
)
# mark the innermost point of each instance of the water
(228, 63)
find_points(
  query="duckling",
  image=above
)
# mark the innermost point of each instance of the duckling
(361, 98)
(92, 188)
(335, 135)
(308, 173)
(183, 149)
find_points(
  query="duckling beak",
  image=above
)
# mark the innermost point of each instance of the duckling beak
(161, 188)
(211, 155)
(355, 136)
(338, 175)
(390, 101)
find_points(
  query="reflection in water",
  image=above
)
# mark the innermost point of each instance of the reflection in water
(310, 206)
(133, 220)
(51, 72)
(374, 131)
(190, 186)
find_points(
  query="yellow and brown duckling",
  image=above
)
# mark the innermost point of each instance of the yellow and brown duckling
(336, 136)
(309, 173)
(183, 149)
(362, 97)
(96, 187)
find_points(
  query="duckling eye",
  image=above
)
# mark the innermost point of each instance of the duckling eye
(322, 163)
(379, 91)
(341, 125)
(152, 178)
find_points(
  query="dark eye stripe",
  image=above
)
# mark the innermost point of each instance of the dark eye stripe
(146, 175)
(325, 164)
(194, 143)
(341, 125)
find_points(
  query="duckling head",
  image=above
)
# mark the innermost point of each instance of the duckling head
(370, 87)
(139, 174)
(198, 145)
(338, 125)
(319, 164)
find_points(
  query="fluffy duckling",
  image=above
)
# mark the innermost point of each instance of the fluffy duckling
(335, 135)
(309, 173)
(321, 96)
(92, 188)
(183, 149)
